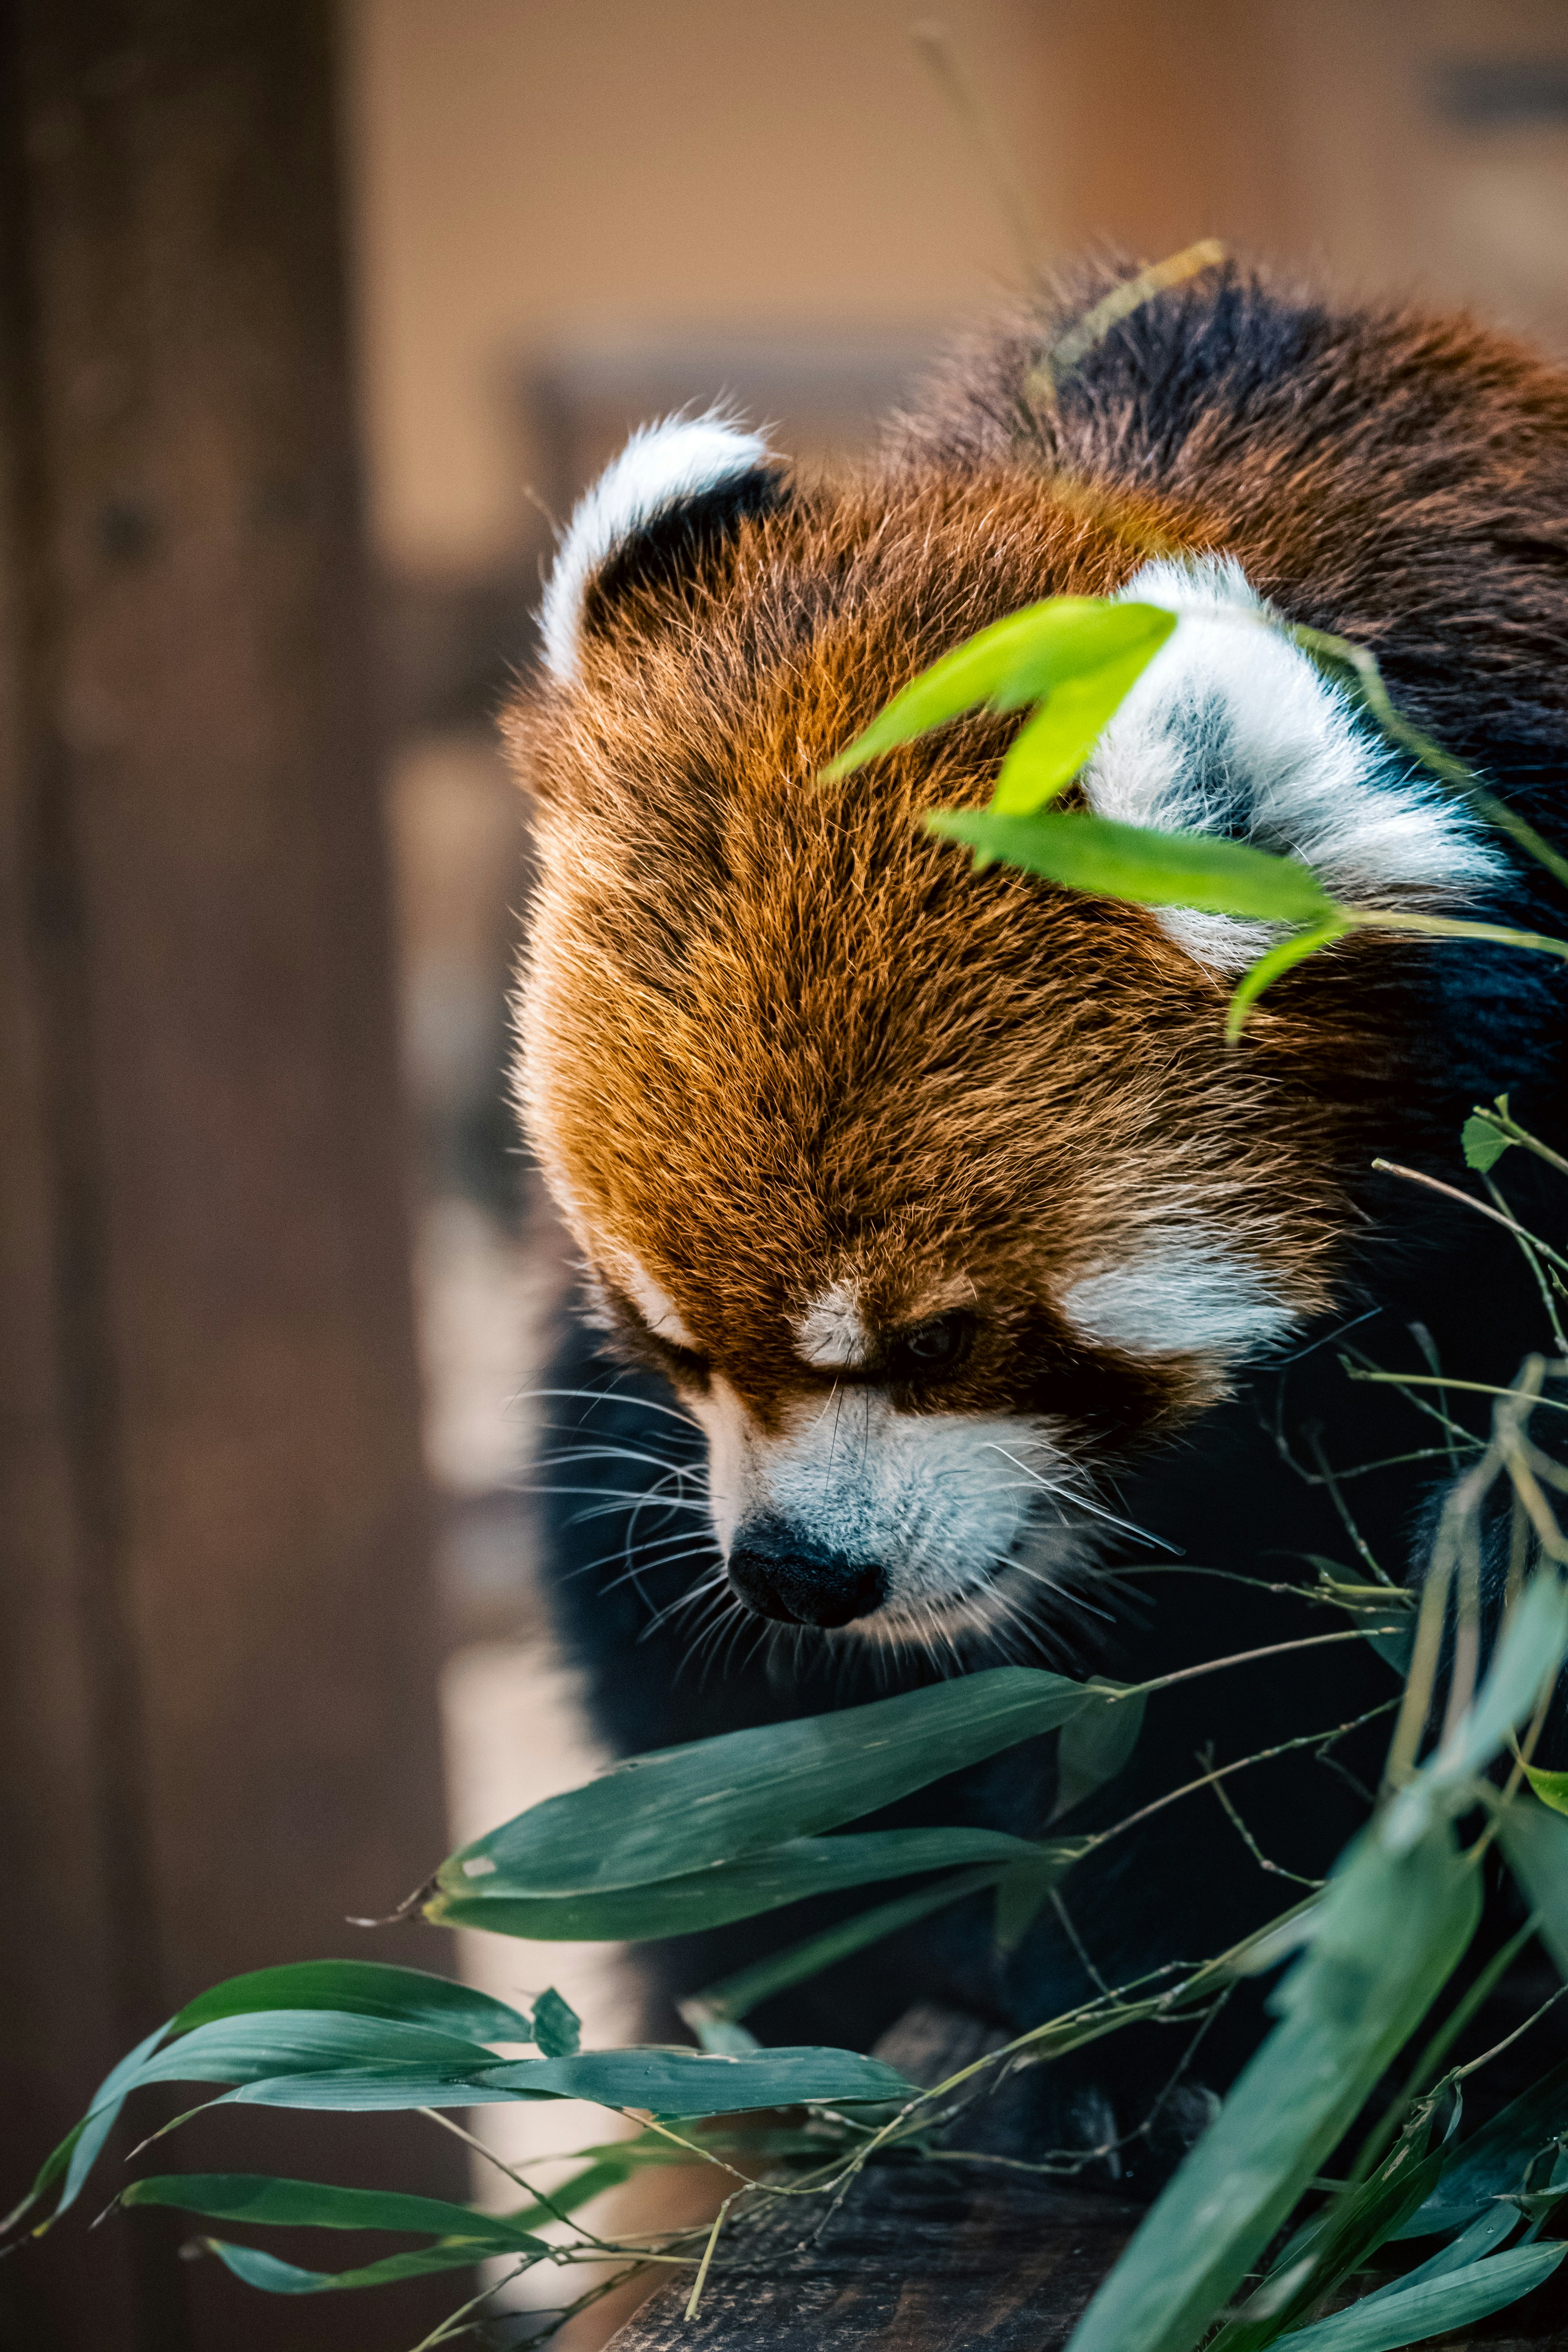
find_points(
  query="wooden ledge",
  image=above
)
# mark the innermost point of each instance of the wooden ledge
(917, 2257)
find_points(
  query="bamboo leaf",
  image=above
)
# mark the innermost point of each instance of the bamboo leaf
(1016, 662)
(1388, 1932)
(274, 2276)
(1484, 1141)
(366, 1989)
(1334, 2244)
(678, 2082)
(557, 2028)
(315, 2204)
(684, 1809)
(296, 2042)
(1273, 966)
(1432, 2309)
(1535, 1840)
(1048, 753)
(1096, 1744)
(736, 1890)
(1157, 869)
(1551, 1788)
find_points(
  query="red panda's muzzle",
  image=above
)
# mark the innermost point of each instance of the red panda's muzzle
(779, 1572)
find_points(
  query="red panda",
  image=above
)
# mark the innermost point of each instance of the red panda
(936, 1196)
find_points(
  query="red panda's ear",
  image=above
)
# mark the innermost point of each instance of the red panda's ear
(675, 489)
(1232, 730)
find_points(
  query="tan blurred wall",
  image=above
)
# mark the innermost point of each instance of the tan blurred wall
(528, 173)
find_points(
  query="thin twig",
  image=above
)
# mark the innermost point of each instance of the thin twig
(1469, 1201)
(934, 46)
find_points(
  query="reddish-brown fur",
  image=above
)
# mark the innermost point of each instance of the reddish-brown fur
(772, 1026)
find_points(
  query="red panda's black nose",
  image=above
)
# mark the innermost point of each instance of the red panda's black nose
(780, 1574)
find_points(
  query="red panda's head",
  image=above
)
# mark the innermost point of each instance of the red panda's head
(936, 1194)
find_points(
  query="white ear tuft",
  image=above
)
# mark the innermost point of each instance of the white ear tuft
(1232, 730)
(661, 465)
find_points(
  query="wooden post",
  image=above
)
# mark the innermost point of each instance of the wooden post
(217, 1709)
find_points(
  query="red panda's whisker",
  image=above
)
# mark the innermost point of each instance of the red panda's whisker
(1129, 1526)
(608, 1396)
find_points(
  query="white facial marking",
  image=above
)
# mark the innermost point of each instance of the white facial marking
(939, 1501)
(660, 464)
(652, 1301)
(1178, 1293)
(830, 1334)
(1232, 730)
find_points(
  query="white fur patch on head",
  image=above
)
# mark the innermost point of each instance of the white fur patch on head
(1232, 730)
(661, 465)
(1178, 1292)
(652, 1301)
(830, 1335)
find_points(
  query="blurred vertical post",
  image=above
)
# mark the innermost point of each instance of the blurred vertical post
(217, 1708)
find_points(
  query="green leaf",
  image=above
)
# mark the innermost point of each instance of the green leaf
(1525, 1662)
(368, 1988)
(364, 1988)
(1484, 2234)
(83, 2143)
(1551, 1788)
(1493, 2161)
(276, 2277)
(1273, 966)
(367, 2090)
(1484, 1141)
(683, 1809)
(1157, 869)
(1535, 1840)
(678, 2082)
(1335, 2242)
(1057, 742)
(315, 2204)
(557, 2028)
(296, 2042)
(1096, 1745)
(1389, 1930)
(1016, 662)
(1432, 2309)
(736, 1890)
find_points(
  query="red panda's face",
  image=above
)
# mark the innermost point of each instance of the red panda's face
(935, 1194)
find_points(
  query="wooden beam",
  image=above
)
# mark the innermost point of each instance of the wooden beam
(218, 1727)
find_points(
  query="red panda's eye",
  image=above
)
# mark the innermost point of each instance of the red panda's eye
(923, 1351)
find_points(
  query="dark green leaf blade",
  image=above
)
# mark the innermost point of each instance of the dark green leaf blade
(1388, 1932)
(292, 2041)
(678, 2082)
(364, 1988)
(1534, 1838)
(1434, 2308)
(274, 2276)
(1334, 2244)
(315, 2204)
(367, 2090)
(557, 2028)
(1096, 1745)
(1494, 2160)
(1096, 853)
(83, 2143)
(700, 1899)
(683, 1809)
